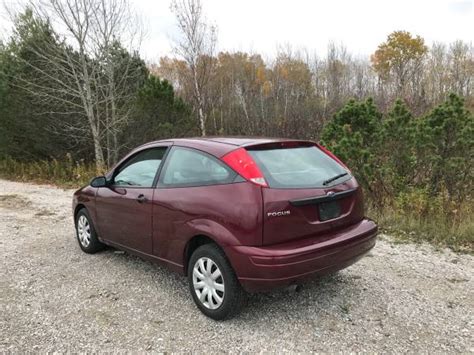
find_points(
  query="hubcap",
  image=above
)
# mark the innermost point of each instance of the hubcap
(84, 231)
(208, 283)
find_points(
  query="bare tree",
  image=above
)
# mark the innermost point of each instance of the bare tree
(115, 26)
(461, 56)
(436, 79)
(77, 65)
(196, 46)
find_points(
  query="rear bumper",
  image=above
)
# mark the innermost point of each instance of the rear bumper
(269, 267)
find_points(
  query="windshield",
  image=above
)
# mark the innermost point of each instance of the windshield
(301, 167)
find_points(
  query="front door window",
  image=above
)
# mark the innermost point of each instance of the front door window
(140, 170)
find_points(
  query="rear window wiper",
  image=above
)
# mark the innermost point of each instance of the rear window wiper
(334, 178)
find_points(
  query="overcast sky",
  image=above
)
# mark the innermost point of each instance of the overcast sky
(261, 25)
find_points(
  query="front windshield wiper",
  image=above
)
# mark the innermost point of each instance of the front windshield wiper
(124, 182)
(334, 178)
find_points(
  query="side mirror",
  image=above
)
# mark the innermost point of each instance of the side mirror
(99, 181)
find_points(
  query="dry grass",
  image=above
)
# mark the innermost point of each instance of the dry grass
(64, 173)
(455, 231)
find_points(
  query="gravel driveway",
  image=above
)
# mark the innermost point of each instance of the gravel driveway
(53, 297)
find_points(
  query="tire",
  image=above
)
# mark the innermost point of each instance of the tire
(226, 286)
(86, 234)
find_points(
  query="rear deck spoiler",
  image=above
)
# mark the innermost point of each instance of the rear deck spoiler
(325, 198)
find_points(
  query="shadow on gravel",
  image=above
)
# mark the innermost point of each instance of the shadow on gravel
(156, 272)
(328, 294)
(331, 293)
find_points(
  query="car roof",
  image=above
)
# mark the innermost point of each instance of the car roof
(219, 146)
(241, 141)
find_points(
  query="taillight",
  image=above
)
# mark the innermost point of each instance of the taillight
(331, 154)
(241, 161)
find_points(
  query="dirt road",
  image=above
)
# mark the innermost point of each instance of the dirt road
(53, 297)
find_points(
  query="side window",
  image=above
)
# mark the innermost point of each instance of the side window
(190, 167)
(140, 170)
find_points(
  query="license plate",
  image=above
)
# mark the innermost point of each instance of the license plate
(329, 210)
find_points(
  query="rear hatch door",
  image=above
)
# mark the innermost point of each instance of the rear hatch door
(310, 193)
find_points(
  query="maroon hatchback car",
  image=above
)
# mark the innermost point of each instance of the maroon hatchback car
(232, 214)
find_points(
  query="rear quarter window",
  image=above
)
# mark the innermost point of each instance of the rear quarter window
(299, 167)
(186, 167)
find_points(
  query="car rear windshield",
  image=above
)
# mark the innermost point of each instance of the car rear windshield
(299, 167)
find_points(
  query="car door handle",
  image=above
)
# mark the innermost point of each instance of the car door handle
(141, 198)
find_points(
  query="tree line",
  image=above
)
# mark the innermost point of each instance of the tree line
(72, 81)
(297, 93)
(86, 90)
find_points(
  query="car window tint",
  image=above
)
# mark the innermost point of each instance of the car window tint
(303, 167)
(140, 170)
(189, 167)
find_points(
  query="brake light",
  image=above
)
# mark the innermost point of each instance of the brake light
(241, 161)
(331, 154)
